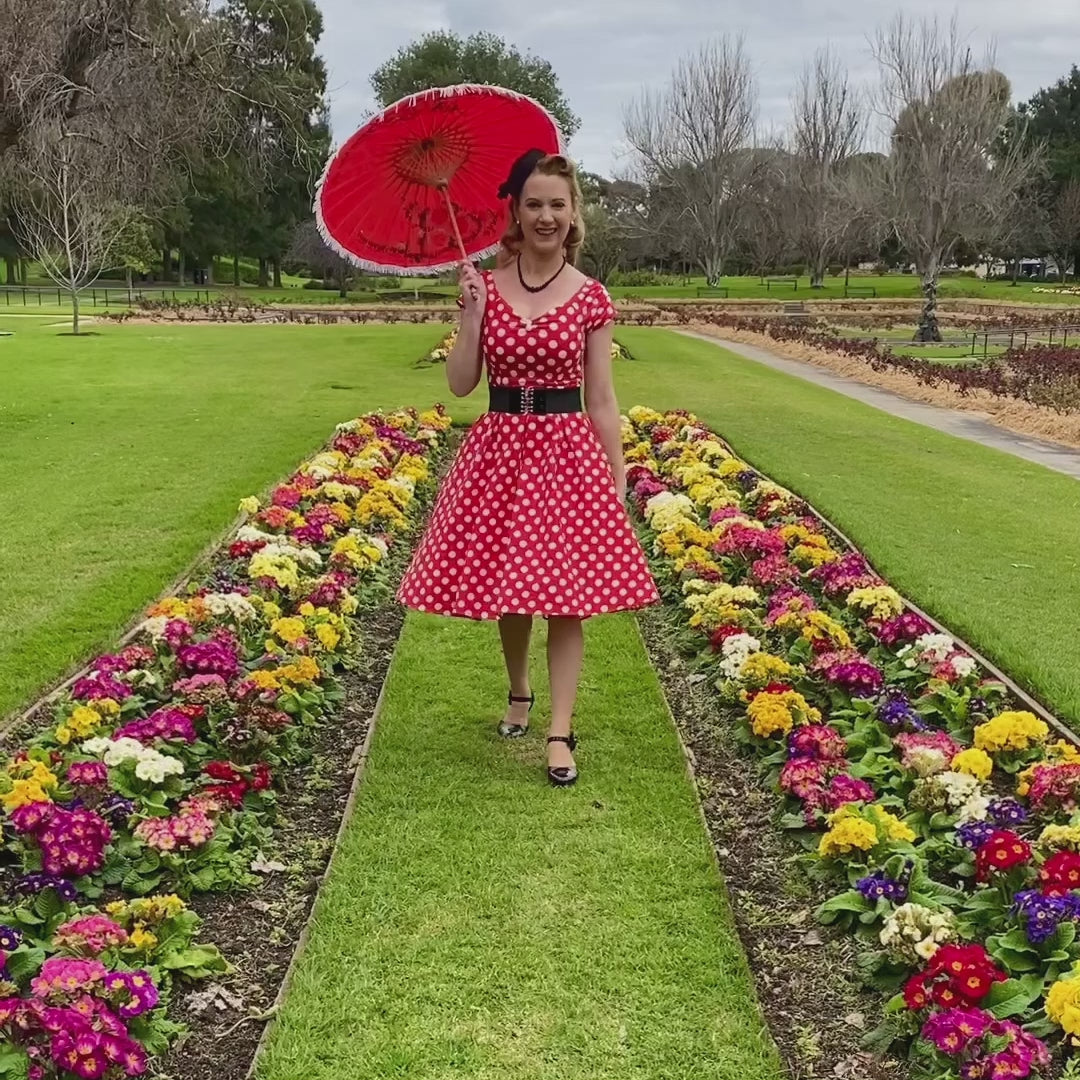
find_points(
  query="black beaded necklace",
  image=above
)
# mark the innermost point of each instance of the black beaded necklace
(537, 288)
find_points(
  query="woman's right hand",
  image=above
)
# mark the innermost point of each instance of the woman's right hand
(473, 292)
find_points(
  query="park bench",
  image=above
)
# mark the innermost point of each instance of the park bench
(796, 311)
(714, 290)
(860, 290)
(788, 282)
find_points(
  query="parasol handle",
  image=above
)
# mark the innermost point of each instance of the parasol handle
(444, 187)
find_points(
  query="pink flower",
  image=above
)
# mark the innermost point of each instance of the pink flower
(847, 789)
(952, 1030)
(91, 933)
(88, 773)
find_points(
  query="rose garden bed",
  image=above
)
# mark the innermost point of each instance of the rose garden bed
(935, 814)
(186, 788)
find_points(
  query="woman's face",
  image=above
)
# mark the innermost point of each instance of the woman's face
(545, 212)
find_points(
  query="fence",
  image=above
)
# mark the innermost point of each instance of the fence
(1044, 335)
(29, 295)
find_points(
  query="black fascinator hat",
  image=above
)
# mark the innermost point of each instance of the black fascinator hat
(520, 171)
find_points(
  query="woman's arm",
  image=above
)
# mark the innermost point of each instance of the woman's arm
(601, 404)
(464, 365)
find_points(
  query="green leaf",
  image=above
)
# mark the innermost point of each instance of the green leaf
(47, 904)
(1012, 997)
(196, 962)
(14, 1064)
(24, 963)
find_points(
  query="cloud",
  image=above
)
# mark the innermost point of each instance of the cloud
(606, 51)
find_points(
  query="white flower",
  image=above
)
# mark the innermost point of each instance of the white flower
(926, 760)
(125, 749)
(736, 649)
(348, 425)
(249, 534)
(667, 499)
(976, 808)
(235, 604)
(963, 666)
(154, 767)
(97, 745)
(155, 627)
(934, 648)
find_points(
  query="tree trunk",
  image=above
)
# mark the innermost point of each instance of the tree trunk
(12, 269)
(264, 274)
(847, 272)
(276, 264)
(817, 273)
(75, 311)
(166, 264)
(182, 268)
(128, 276)
(24, 271)
(343, 280)
(236, 271)
(928, 321)
(210, 271)
(1016, 271)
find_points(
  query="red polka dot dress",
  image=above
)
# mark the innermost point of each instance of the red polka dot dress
(528, 520)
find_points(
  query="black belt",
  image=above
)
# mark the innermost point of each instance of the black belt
(539, 400)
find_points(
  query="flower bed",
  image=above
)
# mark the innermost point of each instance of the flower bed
(156, 779)
(944, 813)
(1043, 375)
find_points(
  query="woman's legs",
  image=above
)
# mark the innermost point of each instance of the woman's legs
(566, 650)
(515, 632)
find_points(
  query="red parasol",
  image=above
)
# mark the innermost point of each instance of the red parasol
(415, 190)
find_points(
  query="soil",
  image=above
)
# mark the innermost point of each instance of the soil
(804, 974)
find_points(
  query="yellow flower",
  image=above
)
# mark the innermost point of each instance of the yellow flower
(142, 939)
(107, 707)
(761, 668)
(117, 909)
(893, 827)
(249, 506)
(63, 734)
(266, 680)
(777, 714)
(282, 570)
(307, 609)
(731, 467)
(881, 601)
(1059, 838)
(303, 670)
(23, 792)
(328, 636)
(815, 554)
(818, 626)
(289, 630)
(1063, 1005)
(640, 416)
(974, 762)
(846, 836)
(342, 511)
(1010, 731)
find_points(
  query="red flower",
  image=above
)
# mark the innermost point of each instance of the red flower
(1002, 851)
(222, 770)
(958, 975)
(1060, 874)
(721, 634)
(261, 778)
(229, 794)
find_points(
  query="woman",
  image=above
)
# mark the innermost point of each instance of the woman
(530, 520)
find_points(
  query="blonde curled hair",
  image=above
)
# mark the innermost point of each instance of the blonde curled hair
(551, 165)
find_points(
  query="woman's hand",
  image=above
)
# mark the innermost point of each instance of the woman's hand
(620, 486)
(473, 292)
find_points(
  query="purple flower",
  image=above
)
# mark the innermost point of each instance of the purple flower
(1008, 813)
(88, 773)
(975, 833)
(746, 479)
(10, 938)
(879, 886)
(859, 677)
(117, 809)
(953, 1030)
(1044, 914)
(209, 658)
(97, 686)
(36, 882)
(895, 712)
(166, 723)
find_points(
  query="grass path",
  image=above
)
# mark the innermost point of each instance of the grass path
(984, 541)
(478, 925)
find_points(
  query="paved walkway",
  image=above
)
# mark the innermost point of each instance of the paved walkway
(963, 425)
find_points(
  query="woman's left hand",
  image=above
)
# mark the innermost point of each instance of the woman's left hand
(620, 487)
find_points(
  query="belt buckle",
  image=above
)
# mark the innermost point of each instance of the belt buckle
(527, 403)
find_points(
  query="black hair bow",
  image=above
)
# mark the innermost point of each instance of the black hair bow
(520, 171)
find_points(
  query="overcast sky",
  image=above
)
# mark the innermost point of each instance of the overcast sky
(605, 51)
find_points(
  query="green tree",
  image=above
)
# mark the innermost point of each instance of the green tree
(443, 58)
(136, 248)
(1053, 115)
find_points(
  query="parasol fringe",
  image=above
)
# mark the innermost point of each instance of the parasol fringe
(423, 95)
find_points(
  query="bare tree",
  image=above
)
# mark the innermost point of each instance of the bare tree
(308, 247)
(67, 215)
(605, 239)
(950, 173)
(767, 226)
(687, 140)
(827, 129)
(1064, 227)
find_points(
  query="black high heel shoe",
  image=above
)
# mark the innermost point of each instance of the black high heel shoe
(564, 775)
(510, 730)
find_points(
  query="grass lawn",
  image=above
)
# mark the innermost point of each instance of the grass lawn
(477, 924)
(891, 286)
(126, 452)
(986, 542)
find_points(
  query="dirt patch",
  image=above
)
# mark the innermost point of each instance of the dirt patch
(1016, 416)
(805, 977)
